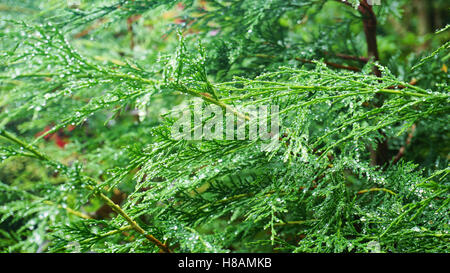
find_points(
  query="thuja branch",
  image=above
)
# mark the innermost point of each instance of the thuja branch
(69, 210)
(13, 138)
(208, 98)
(105, 198)
(107, 234)
(98, 237)
(298, 222)
(133, 223)
(48, 202)
(413, 206)
(375, 190)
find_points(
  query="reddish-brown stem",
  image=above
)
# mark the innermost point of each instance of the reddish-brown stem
(348, 57)
(370, 31)
(412, 82)
(402, 150)
(130, 22)
(380, 155)
(347, 67)
(90, 28)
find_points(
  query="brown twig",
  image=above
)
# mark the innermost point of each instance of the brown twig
(87, 30)
(370, 31)
(412, 82)
(401, 151)
(130, 22)
(347, 67)
(348, 57)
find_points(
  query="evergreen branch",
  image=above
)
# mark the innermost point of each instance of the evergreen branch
(50, 203)
(376, 189)
(69, 210)
(106, 199)
(103, 77)
(107, 234)
(298, 222)
(411, 208)
(133, 223)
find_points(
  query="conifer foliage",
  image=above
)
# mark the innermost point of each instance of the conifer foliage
(90, 91)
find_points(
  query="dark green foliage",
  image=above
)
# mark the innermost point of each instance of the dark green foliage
(85, 120)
